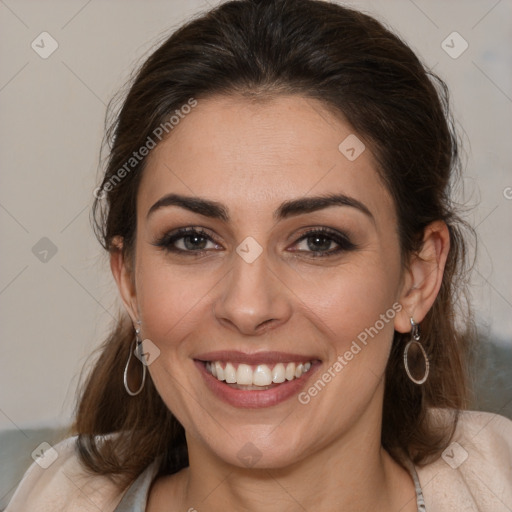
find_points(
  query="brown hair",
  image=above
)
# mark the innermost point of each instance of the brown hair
(356, 67)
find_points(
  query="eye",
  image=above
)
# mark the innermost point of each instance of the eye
(319, 242)
(186, 240)
(322, 242)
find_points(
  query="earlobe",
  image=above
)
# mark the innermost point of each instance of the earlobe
(424, 276)
(123, 276)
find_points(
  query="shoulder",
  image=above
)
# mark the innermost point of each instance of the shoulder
(61, 484)
(475, 472)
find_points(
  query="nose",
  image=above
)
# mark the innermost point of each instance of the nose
(252, 298)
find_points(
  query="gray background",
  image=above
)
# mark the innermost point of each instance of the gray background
(56, 308)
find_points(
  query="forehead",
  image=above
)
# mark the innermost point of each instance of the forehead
(254, 155)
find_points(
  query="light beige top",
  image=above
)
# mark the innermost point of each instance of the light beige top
(474, 474)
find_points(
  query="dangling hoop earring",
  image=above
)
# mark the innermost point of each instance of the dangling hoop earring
(415, 337)
(138, 348)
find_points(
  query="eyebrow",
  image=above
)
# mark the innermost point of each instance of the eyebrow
(216, 210)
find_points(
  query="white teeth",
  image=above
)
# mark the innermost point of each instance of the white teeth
(290, 371)
(278, 373)
(263, 375)
(230, 374)
(219, 370)
(244, 374)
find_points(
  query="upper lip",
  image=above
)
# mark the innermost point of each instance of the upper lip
(235, 356)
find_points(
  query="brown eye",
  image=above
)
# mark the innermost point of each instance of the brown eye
(186, 240)
(320, 242)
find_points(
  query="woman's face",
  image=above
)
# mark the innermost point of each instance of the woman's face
(253, 292)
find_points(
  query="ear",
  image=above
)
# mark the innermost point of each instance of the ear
(124, 276)
(423, 277)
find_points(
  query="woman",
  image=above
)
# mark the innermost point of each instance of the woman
(277, 212)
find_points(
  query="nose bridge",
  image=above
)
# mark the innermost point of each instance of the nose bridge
(252, 295)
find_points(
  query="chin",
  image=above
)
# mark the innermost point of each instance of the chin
(259, 448)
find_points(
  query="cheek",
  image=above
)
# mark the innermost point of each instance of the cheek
(349, 299)
(354, 307)
(173, 302)
(171, 297)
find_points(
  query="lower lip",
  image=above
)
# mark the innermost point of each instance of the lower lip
(251, 399)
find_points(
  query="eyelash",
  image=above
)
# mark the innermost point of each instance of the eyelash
(166, 242)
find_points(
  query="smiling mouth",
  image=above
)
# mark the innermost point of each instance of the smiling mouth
(256, 377)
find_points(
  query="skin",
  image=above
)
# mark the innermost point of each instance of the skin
(252, 156)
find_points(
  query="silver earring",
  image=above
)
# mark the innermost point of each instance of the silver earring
(138, 350)
(415, 340)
